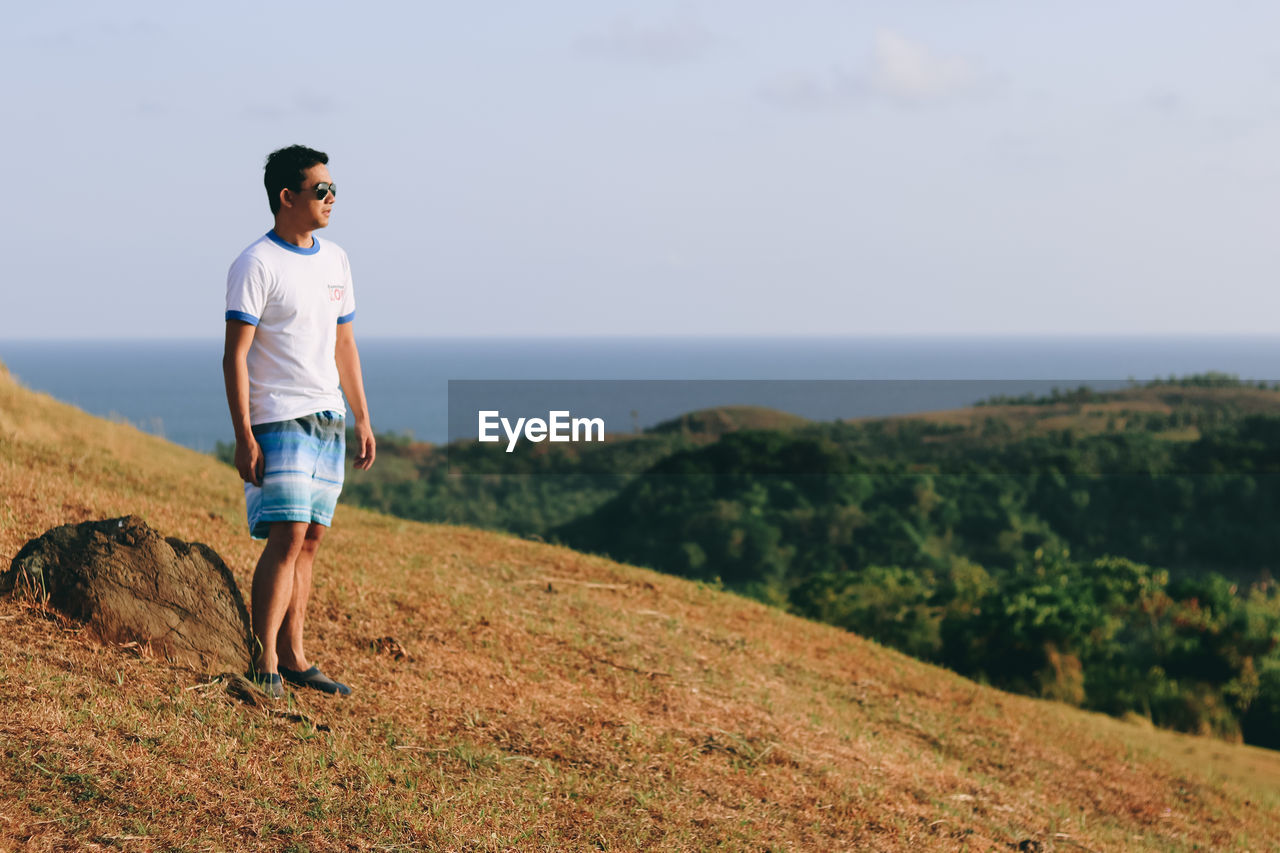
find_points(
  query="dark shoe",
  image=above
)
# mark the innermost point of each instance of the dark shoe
(269, 683)
(314, 679)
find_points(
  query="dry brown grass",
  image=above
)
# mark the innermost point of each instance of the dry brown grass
(532, 697)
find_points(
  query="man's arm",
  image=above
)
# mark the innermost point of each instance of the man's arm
(348, 358)
(235, 373)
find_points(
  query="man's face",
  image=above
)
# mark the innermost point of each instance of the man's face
(315, 210)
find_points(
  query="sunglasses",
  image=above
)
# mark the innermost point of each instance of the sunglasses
(323, 189)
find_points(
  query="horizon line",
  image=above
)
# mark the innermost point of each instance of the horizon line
(714, 336)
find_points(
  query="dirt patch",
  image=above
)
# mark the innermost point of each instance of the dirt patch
(129, 584)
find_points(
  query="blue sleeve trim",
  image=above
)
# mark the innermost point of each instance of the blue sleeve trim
(346, 318)
(245, 318)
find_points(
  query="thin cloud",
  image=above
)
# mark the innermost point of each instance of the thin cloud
(907, 70)
(897, 70)
(1163, 101)
(301, 104)
(808, 91)
(86, 34)
(669, 43)
(154, 108)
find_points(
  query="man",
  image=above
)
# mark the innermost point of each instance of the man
(289, 345)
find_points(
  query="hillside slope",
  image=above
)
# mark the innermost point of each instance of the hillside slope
(545, 699)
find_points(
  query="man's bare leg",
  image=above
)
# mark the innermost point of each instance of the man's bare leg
(273, 582)
(289, 647)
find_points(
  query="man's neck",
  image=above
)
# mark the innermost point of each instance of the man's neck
(291, 234)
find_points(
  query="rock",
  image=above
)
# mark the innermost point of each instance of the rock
(130, 584)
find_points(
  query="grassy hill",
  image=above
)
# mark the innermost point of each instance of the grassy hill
(1110, 411)
(531, 697)
(717, 421)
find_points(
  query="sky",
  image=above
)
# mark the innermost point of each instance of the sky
(623, 168)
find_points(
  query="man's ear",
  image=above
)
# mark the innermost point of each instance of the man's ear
(286, 197)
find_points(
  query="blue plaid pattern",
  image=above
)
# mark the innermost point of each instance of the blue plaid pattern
(302, 476)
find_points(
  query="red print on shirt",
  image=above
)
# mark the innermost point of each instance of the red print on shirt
(335, 293)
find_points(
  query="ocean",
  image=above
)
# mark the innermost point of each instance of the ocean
(174, 388)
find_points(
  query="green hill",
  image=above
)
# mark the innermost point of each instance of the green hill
(544, 699)
(725, 419)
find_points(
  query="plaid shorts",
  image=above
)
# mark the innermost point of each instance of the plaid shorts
(302, 471)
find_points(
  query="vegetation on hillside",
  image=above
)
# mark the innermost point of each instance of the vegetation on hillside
(1114, 551)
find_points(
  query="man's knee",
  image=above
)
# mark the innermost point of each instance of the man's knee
(287, 537)
(311, 540)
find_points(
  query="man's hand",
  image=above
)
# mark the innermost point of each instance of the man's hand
(249, 461)
(235, 372)
(366, 446)
(348, 359)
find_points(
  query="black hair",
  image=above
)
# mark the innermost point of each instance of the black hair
(284, 170)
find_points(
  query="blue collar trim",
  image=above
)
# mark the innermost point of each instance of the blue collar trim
(284, 244)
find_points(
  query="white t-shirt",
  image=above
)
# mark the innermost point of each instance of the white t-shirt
(296, 297)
